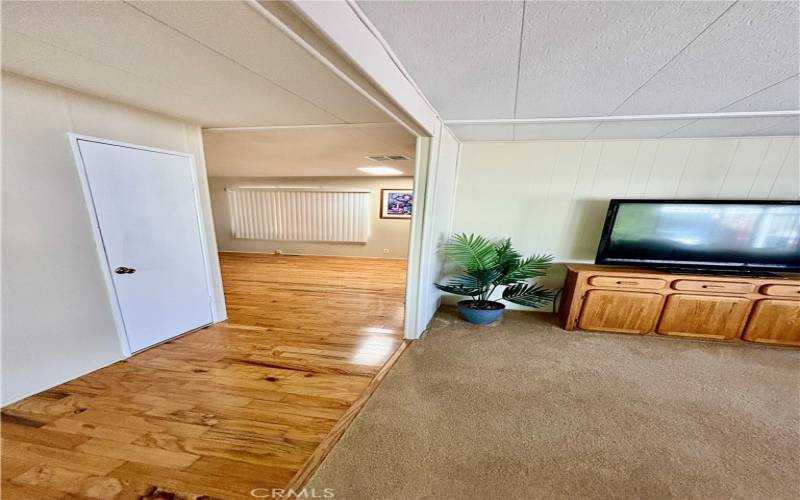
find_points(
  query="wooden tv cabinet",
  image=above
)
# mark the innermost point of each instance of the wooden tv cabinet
(646, 302)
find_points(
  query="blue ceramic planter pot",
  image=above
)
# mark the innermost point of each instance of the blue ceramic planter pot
(480, 316)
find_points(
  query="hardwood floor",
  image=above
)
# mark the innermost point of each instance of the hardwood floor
(253, 402)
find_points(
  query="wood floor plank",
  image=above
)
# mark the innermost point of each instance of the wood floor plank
(147, 481)
(89, 430)
(239, 405)
(79, 484)
(265, 476)
(139, 423)
(135, 453)
(14, 491)
(45, 436)
(67, 459)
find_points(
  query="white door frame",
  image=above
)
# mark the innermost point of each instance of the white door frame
(318, 27)
(415, 232)
(116, 309)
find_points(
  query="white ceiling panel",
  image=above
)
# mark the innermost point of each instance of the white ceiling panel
(202, 70)
(463, 55)
(34, 59)
(545, 131)
(636, 129)
(737, 127)
(595, 59)
(483, 132)
(781, 96)
(585, 58)
(260, 47)
(306, 151)
(41, 61)
(752, 46)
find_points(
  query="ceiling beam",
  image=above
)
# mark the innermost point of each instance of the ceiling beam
(321, 125)
(296, 23)
(573, 119)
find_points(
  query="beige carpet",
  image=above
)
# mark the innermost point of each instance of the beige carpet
(524, 410)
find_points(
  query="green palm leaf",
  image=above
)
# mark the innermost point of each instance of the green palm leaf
(525, 269)
(528, 295)
(505, 256)
(486, 265)
(457, 290)
(464, 282)
(470, 251)
(475, 281)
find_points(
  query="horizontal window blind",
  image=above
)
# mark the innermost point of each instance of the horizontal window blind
(299, 215)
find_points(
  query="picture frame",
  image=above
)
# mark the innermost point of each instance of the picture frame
(396, 203)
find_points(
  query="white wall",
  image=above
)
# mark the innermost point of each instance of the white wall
(551, 196)
(57, 321)
(391, 234)
(439, 227)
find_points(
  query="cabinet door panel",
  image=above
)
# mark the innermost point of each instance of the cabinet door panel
(708, 316)
(775, 321)
(618, 311)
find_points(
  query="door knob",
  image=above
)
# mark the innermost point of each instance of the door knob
(124, 270)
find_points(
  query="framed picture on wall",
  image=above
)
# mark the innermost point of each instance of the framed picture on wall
(396, 203)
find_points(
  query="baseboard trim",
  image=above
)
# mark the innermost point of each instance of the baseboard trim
(287, 254)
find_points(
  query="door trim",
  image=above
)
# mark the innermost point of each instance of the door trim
(105, 266)
(335, 35)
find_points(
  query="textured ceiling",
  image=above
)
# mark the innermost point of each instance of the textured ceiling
(212, 63)
(541, 59)
(305, 151)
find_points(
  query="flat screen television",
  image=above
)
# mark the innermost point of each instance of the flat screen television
(702, 235)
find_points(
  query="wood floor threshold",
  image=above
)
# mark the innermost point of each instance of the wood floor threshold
(302, 476)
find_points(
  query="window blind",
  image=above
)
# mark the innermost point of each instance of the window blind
(299, 215)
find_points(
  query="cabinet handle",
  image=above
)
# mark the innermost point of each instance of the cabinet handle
(713, 286)
(627, 282)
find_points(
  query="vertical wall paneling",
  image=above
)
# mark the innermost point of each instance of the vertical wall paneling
(777, 154)
(540, 184)
(738, 179)
(571, 238)
(645, 157)
(551, 196)
(707, 160)
(668, 168)
(787, 182)
(615, 168)
(561, 185)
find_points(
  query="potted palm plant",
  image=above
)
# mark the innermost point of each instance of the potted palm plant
(484, 266)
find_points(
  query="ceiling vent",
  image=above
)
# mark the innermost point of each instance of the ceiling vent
(382, 158)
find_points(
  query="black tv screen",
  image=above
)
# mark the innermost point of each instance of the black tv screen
(703, 234)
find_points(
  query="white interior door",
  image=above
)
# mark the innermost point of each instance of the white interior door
(148, 220)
